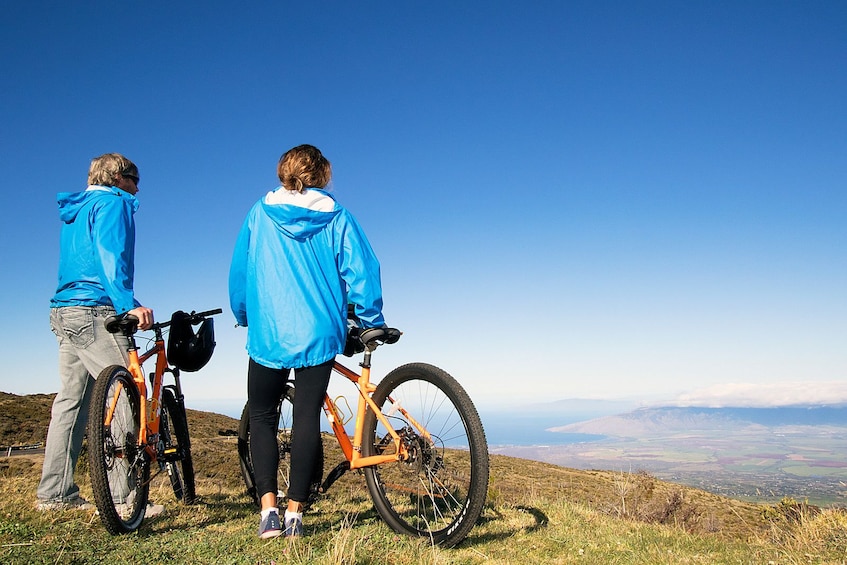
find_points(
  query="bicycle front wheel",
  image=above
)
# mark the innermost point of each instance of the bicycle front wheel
(176, 456)
(120, 470)
(438, 492)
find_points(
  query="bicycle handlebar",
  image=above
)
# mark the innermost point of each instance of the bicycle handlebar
(128, 324)
(199, 316)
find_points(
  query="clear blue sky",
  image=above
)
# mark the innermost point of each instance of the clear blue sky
(569, 199)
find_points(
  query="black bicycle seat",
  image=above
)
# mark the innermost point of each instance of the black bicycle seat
(126, 324)
(372, 337)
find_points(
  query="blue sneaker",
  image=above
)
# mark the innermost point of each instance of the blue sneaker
(293, 524)
(270, 527)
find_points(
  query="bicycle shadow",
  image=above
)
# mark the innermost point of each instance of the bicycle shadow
(222, 508)
(537, 518)
(219, 509)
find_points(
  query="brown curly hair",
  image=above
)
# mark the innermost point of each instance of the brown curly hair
(303, 167)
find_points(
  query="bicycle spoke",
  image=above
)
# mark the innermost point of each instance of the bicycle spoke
(119, 468)
(438, 489)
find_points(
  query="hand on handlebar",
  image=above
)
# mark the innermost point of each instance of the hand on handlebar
(144, 315)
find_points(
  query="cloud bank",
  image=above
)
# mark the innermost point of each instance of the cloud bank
(766, 395)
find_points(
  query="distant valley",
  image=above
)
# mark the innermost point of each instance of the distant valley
(749, 453)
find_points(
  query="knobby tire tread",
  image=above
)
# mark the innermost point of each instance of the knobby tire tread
(101, 457)
(245, 460)
(474, 501)
(178, 422)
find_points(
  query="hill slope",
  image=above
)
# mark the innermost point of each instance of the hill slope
(647, 422)
(536, 512)
(24, 419)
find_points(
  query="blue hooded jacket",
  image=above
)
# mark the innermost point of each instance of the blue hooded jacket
(97, 249)
(294, 269)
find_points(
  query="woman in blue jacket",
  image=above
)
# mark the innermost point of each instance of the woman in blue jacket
(299, 259)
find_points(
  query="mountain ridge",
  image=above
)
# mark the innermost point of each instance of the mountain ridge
(652, 421)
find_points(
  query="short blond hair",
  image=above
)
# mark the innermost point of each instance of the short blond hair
(303, 167)
(105, 169)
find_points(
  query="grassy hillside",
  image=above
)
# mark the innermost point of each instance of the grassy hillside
(536, 512)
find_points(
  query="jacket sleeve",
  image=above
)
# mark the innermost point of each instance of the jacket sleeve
(359, 268)
(238, 274)
(113, 235)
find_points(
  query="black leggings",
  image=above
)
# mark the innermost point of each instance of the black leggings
(265, 387)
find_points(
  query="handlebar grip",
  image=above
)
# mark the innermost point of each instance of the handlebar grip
(207, 313)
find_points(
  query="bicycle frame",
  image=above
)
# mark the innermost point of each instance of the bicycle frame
(352, 449)
(427, 476)
(150, 415)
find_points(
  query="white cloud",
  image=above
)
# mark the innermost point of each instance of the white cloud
(763, 395)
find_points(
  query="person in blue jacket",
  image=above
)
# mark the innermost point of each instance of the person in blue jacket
(96, 269)
(299, 259)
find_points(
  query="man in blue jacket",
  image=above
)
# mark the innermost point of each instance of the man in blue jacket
(96, 267)
(299, 259)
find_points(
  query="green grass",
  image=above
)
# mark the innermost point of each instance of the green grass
(536, 513)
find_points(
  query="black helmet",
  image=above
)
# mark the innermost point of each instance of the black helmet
(187, 350)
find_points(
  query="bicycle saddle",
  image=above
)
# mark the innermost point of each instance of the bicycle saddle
(126, 324)
(373, 337)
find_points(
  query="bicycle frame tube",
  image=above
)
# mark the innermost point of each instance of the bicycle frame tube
(134, 369)
(149, 424)
(353, 450)
(155, 409)
(337, 423)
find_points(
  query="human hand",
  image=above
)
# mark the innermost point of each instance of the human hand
(145, 317)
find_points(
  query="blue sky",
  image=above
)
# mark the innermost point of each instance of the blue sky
(569, 199)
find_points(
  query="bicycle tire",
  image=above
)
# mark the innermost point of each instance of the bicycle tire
(441, 491)
(284, 445)
(120, 470)
(176, 443)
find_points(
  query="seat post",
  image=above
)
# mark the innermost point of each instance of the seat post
(366, 360)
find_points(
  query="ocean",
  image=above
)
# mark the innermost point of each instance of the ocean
(508, 428)
(520, 428)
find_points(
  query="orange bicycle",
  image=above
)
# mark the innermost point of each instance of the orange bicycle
(128, 432)
(418, 440)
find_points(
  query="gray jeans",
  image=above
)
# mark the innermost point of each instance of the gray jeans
(85, 349)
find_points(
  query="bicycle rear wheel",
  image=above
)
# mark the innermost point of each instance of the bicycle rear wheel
(283, 438)
(120, 470)
(440, 491)
(176, 456)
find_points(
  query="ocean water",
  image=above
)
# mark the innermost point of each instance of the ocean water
(508, 428)
(501, 427)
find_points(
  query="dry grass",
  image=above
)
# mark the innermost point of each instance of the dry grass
(536, 513)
